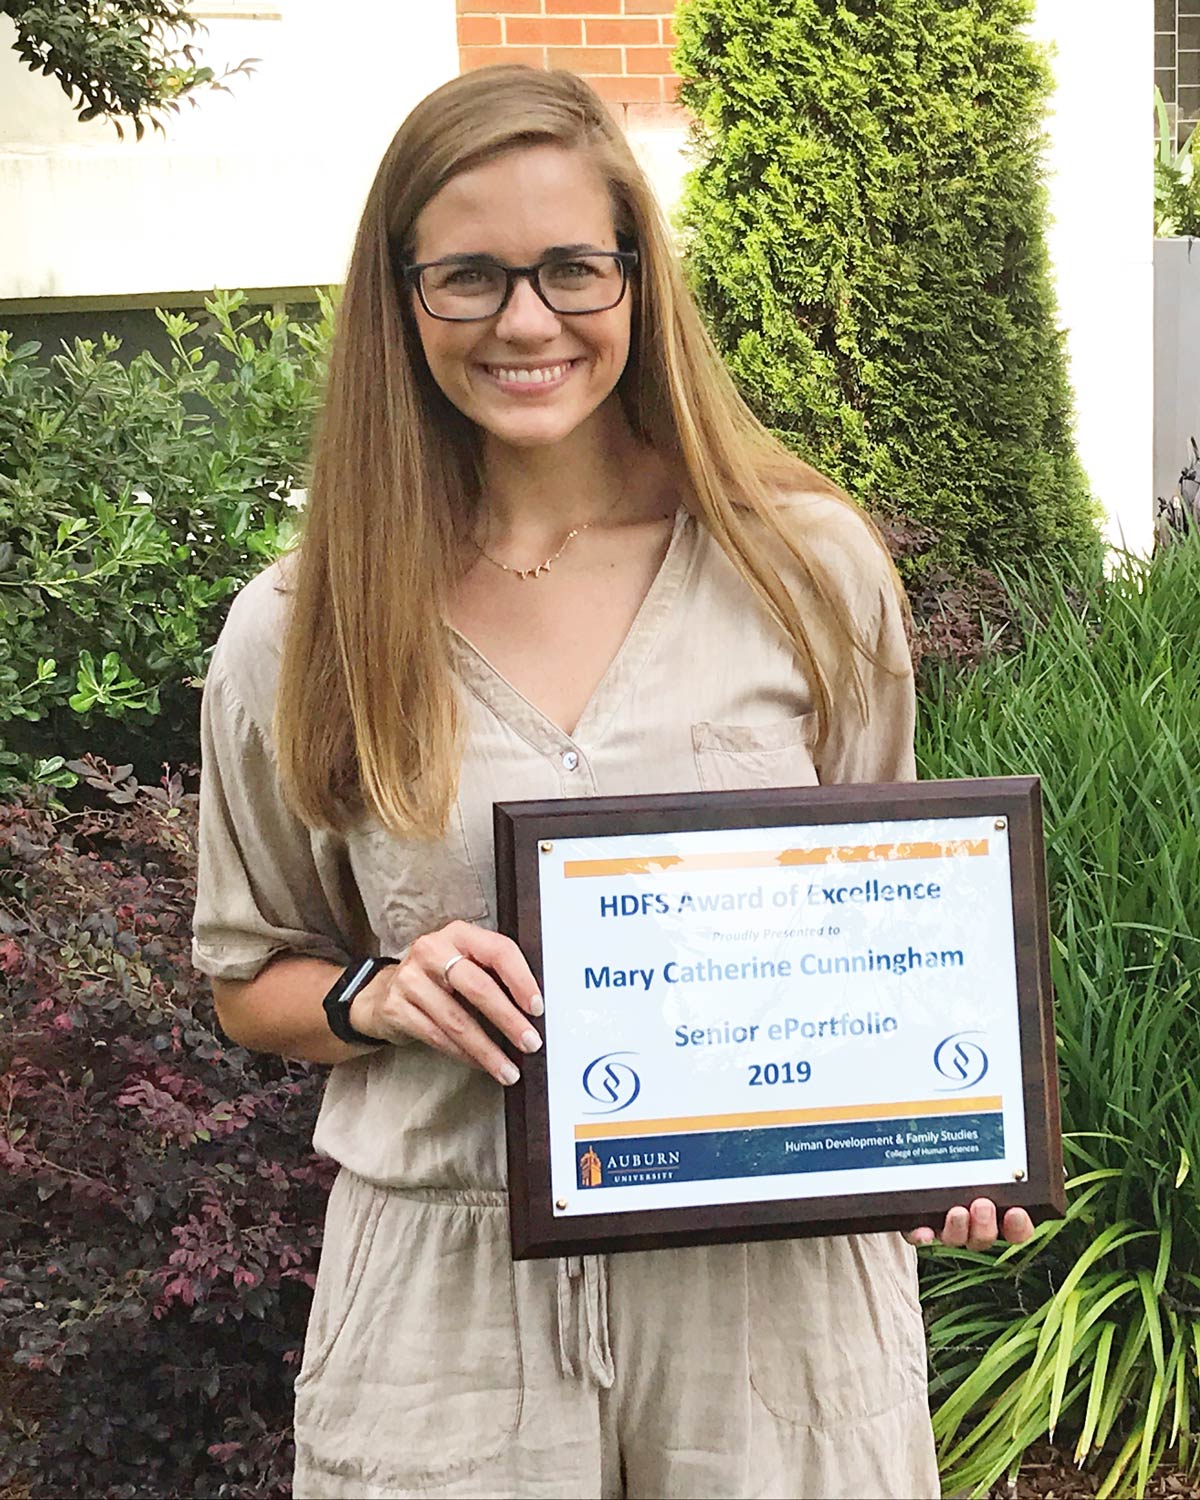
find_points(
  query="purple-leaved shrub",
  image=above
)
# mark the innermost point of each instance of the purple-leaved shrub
(161, 1206)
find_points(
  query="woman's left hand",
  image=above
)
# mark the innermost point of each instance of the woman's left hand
(975, 1228)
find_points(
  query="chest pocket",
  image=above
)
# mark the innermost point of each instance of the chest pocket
(413, 886)
(733, 757)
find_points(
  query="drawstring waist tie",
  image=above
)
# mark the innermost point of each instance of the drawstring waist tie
(583, 1347)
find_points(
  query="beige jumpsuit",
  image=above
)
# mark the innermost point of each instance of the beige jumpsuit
(433, 1364)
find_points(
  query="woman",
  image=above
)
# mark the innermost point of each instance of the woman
(548, 553)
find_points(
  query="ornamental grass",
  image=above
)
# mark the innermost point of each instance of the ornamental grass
(1090, 1334)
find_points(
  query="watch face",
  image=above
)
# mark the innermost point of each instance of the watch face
(355, 978)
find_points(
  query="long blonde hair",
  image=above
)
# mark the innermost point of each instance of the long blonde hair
(366, 710)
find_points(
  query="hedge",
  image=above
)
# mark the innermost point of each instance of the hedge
(865, 231)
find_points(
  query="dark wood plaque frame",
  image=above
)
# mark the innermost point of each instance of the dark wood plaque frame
(521, 826)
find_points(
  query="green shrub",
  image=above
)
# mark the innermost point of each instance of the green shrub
(1176, 182)
(135, 497)
(1093, 1329)
(865, 232)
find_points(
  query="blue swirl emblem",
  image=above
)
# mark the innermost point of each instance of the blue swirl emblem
(615, 1084)
(962, 1062)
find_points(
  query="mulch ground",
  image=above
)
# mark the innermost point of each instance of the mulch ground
(1050, 1475)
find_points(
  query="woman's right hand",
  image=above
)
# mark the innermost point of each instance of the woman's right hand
(446, 981)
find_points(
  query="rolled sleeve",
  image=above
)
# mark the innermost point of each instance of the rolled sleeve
(864, 588)
(267, 884)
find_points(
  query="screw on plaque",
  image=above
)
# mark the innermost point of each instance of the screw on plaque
(545, 846)
(1018, 1175)
(561, 1203)
(1001, 824)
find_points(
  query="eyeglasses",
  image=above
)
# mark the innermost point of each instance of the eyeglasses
(470, 288)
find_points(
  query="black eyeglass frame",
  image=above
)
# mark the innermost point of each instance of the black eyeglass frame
(626, 259)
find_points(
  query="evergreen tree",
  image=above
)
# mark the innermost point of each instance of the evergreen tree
(865, 231)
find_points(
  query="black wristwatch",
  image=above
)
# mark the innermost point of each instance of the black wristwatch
(339, 999)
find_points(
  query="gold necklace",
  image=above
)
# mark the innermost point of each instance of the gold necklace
(544, 566)
(539, 568)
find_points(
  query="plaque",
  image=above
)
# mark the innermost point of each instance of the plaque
(780, 1012)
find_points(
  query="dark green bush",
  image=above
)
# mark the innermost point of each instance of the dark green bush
(865, 232)
(135, 497)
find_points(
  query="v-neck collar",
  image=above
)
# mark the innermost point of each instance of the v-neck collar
(490, 685)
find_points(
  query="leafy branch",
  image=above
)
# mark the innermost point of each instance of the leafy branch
(124, 59)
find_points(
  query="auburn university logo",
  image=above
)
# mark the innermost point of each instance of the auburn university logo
(591, 1173)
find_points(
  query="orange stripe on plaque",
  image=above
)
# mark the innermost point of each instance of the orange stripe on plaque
(759, 859)
(913, 1109)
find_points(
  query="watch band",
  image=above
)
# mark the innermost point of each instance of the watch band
(341, 996)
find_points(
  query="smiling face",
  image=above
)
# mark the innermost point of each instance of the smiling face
(529, 377)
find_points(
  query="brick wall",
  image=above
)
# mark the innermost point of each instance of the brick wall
(622, 47)
(1177, 61)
